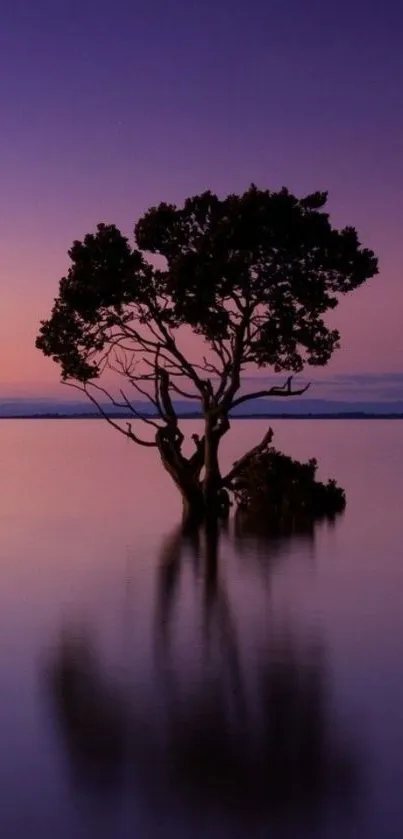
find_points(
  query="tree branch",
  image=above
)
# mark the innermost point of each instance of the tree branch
(166, 401)
(129, 433)
(236, 364)
(171, 346)
(157, 399)
(276, 390)
(240, 464)
(183, 393)
(136, 413)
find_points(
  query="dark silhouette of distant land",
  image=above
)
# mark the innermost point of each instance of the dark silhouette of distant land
(305, 415)
(25, 408)
(342, 416)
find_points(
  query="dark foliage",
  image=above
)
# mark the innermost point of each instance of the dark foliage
(266, 260)
(274, 256)
(277, 492)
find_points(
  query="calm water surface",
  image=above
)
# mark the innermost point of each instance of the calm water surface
(158, 687)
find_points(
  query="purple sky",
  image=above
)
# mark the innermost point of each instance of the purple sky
(109, 107)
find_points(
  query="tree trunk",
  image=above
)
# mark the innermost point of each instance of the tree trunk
(212, 482)
(184, 477)
(202, 499)
(193, 509)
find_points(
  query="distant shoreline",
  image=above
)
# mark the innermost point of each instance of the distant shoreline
(93, 416)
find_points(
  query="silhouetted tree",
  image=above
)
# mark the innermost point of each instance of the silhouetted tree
(252, 275)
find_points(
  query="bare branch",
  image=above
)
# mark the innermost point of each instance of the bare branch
(276, 390)
(106, 393)
(129, 433)
(184, 393)
(224, 355)
(223, 380)
(236, 363)
(222, 351)
(173, 367)
(137, 413)
(135, 383)
(211, 368)
(171, 346)
(157, 399)
(240, 464)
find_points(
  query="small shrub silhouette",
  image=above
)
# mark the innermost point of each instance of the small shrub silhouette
(278, 492)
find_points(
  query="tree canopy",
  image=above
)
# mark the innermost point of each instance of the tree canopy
(253, 275)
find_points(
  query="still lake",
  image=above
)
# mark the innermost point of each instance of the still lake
(148, 693)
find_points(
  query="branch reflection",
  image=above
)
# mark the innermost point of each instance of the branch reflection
(248, 739)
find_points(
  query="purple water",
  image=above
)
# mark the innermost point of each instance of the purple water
(146, 691)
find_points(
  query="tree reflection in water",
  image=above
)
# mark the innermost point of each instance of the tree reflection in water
(246, 742)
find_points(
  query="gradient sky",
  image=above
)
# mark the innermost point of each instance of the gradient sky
(109, 107)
